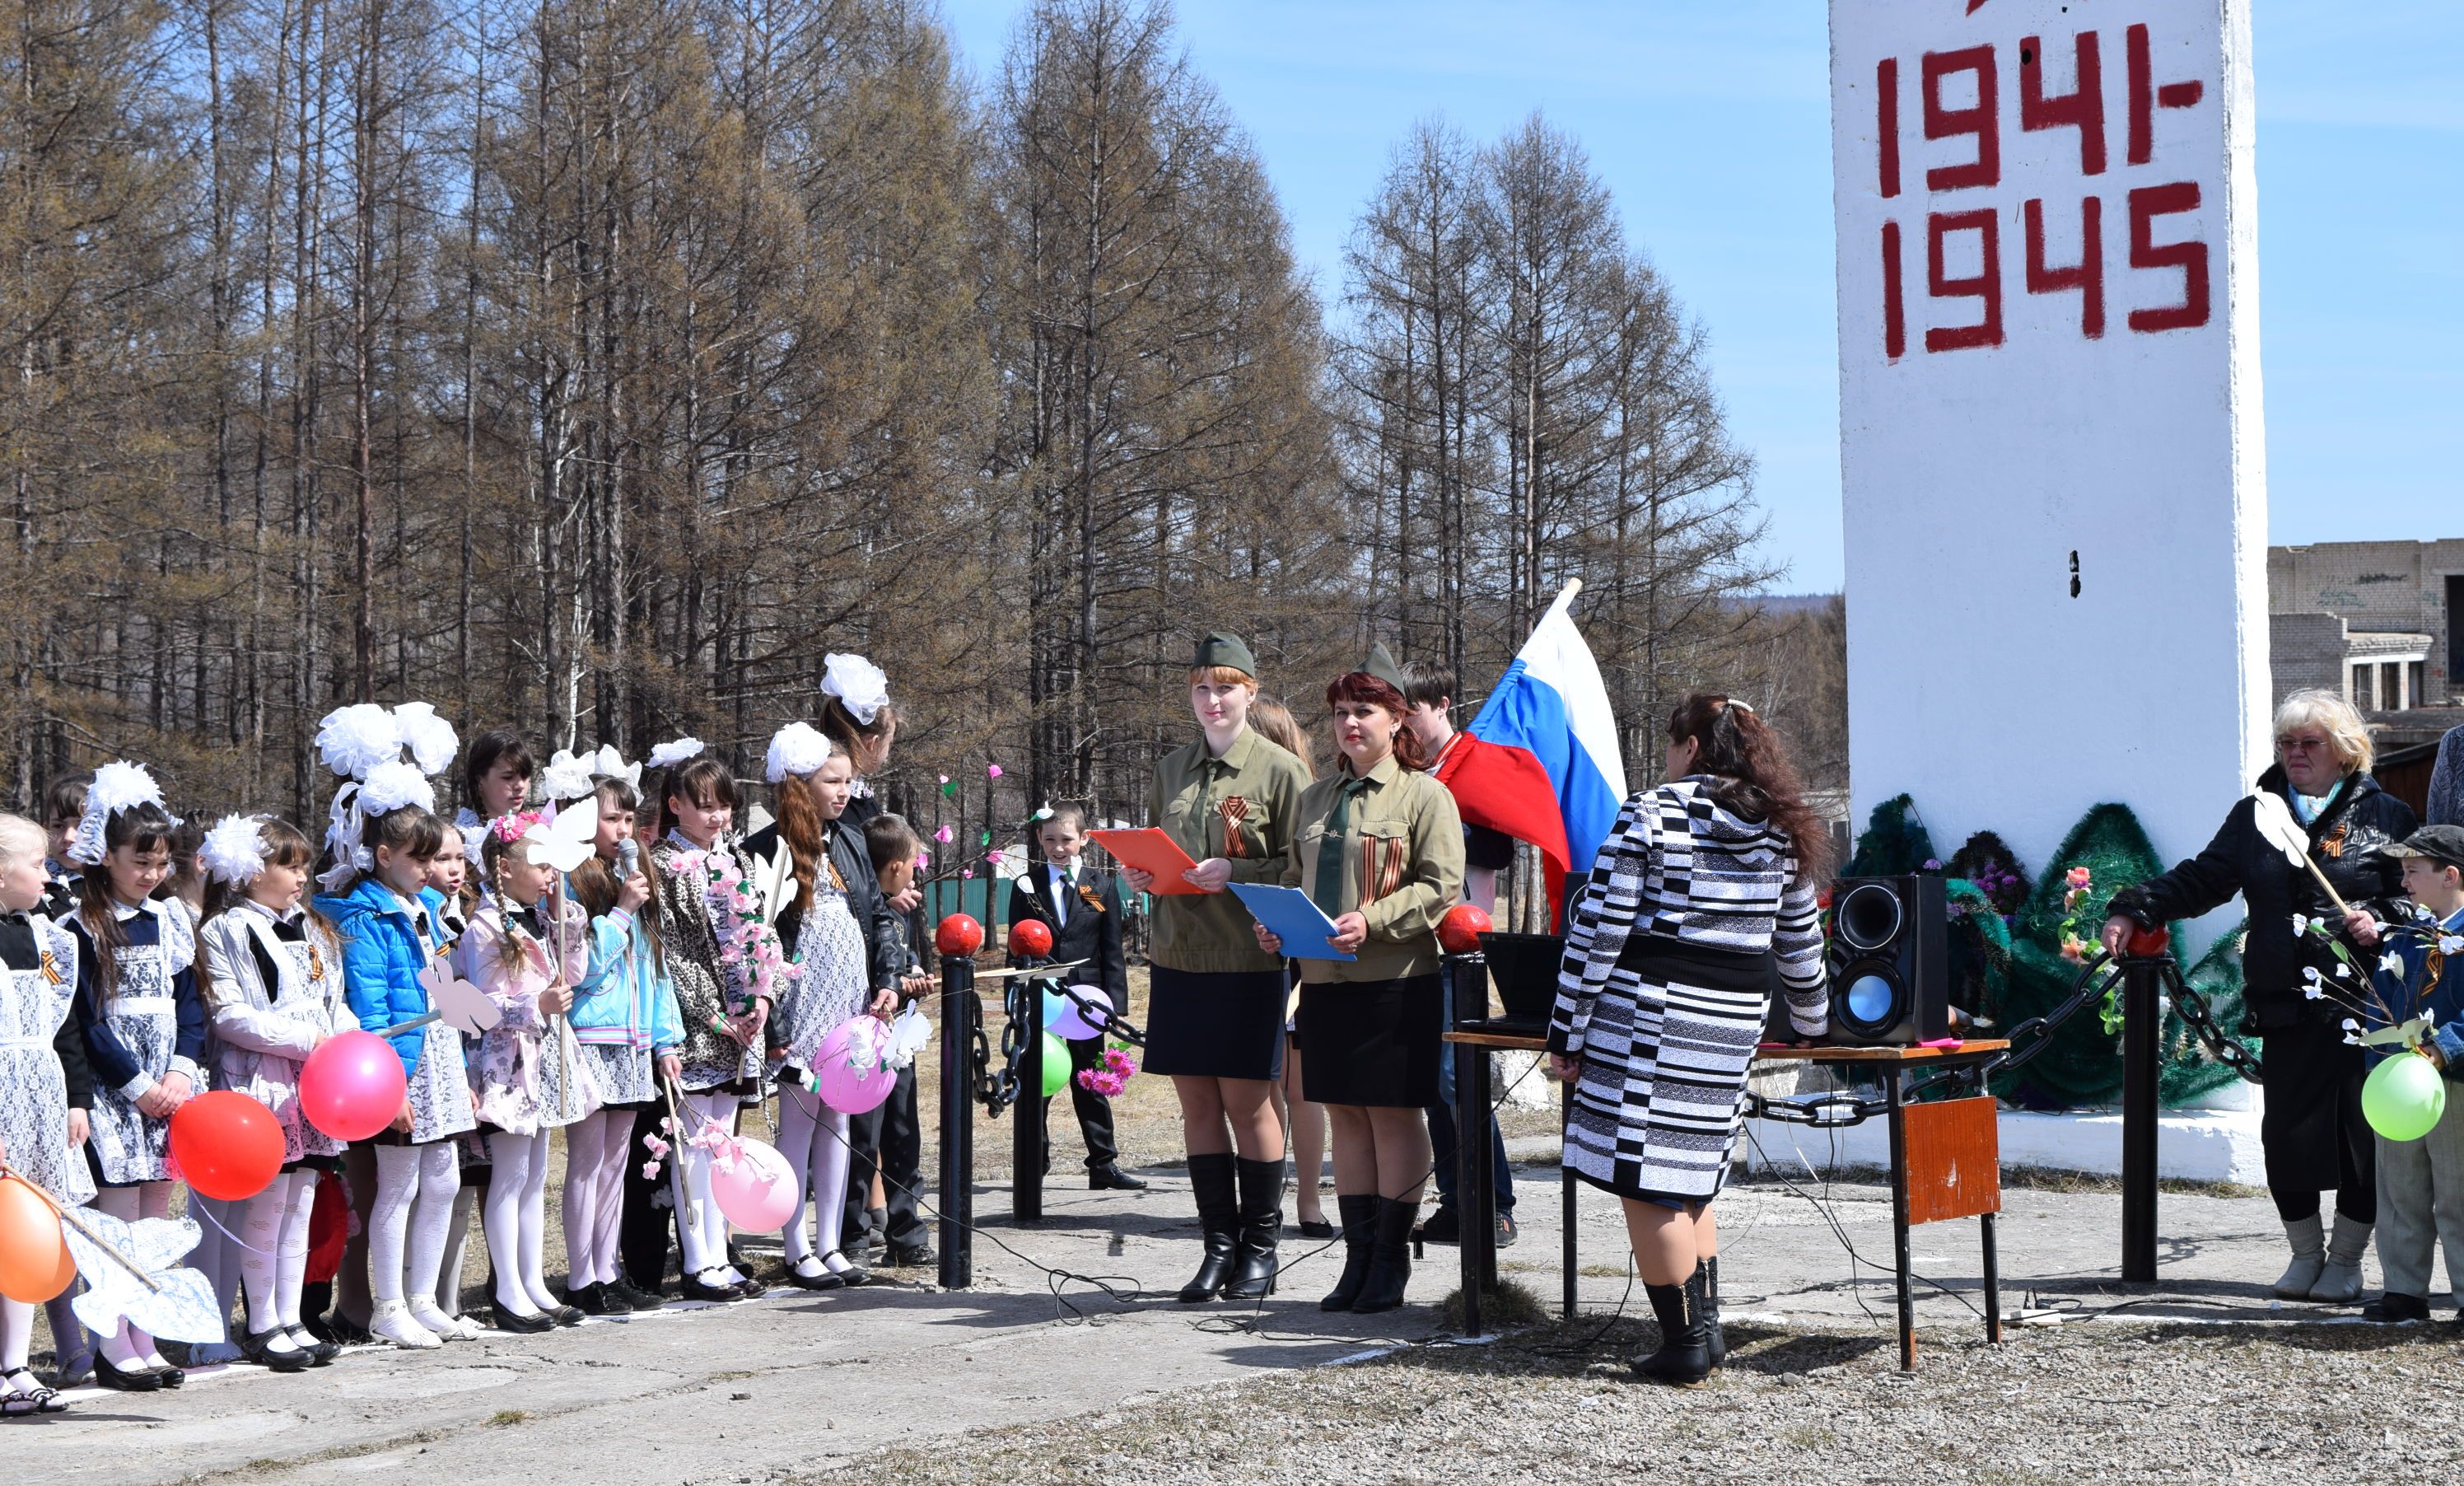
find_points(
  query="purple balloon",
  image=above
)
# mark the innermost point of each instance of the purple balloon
(849, 1070)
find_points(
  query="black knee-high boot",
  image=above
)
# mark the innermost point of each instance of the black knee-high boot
(1262, 1224)
(1390, 1256)
(1359, 1216)
(1685, 1354)
(1218, 1217)
(1715, 1334)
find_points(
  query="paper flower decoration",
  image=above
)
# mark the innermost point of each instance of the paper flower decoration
(992, 771)
(667, 754)
(356, 738)
(234, 851)
(859, 685)
(944, 834)
(796, 750)
(565, 777)
(429, 738)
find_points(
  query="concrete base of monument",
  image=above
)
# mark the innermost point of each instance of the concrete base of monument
(2191, 1144)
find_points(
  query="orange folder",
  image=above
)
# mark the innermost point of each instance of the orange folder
(1150, 851)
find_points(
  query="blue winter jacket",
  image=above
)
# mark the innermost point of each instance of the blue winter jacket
(2408, 994)
(383, 953)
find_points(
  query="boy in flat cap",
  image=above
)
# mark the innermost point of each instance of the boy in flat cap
(2420, 1183)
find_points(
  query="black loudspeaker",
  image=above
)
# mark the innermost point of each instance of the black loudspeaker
(1890, 960)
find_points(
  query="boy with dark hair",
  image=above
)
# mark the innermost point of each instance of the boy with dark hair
(2421, 1181)
(1082, 907)
(1429, 694)
(63, 807)
(888, 1141)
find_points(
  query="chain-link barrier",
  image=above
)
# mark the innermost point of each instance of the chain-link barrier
(2097, 979)
(997, 1088)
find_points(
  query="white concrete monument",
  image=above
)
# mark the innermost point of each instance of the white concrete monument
(2051, 443)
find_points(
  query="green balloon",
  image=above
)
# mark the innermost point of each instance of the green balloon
(1056, 1065)
(2404, 1096)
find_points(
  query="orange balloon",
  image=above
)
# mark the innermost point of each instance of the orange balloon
(34, 1263)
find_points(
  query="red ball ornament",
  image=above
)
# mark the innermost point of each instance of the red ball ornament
(958, 935)
(1459, 932)
(1030, 938)
(2147, 943)
(229, 1145)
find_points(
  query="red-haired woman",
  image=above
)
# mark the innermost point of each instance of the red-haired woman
(1663, 992)
(1381, 848)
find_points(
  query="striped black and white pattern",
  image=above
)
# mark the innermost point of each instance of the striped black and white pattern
(1665, 1037)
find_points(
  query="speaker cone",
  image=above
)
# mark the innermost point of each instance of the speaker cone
(1869, 917)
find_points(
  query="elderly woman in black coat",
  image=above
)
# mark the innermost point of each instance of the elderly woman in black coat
(2311, 1131)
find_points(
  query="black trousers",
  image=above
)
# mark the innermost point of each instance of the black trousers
(889, 1140)
(2312, 1131)
(1094, 1111)
(647, 1228)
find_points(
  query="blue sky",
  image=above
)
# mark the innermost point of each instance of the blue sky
(1710, 119)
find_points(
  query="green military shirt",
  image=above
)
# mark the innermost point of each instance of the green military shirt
(1240, 807)
(1402, 851)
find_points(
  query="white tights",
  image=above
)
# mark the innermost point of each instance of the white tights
(704, 1228)
(415, 1188)
(129, 1347)
(595, 1152)
(813, 1137)
(517, 1220)
(16, 1333)
(273, 1229)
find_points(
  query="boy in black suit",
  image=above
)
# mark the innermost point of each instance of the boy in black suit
(1083, 908)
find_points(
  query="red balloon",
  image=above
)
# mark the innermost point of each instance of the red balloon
(351, 1087)
(1030, 938)
(229, 1145)
(1459, 932)
(958, 935)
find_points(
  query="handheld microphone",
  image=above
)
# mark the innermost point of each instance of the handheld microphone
(626, 854)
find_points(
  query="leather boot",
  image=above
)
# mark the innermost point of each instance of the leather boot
(1262, 1224)
(1684, 1354)
(1390, 1257)
(1210, 1182)
(2309, 1258)
(2339, 1281)
(1359, 1218)
(1715, 1337)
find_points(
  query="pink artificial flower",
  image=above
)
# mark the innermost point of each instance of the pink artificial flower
(2078, 876)
(923, 861)
(945, 779)
(993, 771)
(945, 836)
(967, 873)
(649, 1171)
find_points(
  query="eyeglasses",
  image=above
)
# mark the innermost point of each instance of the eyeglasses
(2301, 745)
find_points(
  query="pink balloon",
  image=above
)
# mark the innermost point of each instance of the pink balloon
(848, 1071)
(351, 1087)
(756, 1193)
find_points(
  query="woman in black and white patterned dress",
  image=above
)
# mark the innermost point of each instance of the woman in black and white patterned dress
(1662, 996)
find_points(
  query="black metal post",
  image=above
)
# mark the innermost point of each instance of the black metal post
(2141, 984)
(1895, 1095)
(1026, 1127)
(961, 1013)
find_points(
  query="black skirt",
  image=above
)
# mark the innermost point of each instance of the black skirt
(1216, 1023)
(1372, 1042)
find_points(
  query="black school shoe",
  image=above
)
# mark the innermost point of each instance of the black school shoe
(695, 1289)
(133, 1380)
(320, 1352)
(903, 1257)
(1442, 1227)
(254, 1347)
(622, 1288)
(1112, 1179)
(599, 1300)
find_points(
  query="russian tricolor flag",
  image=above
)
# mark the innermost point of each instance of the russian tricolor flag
(1542, 764)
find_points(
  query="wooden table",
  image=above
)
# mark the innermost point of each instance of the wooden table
(1946, 1161)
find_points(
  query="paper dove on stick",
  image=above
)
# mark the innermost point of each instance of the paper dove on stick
(2276, 826)
(169, 1302)
(564, 843)
(464, 1007)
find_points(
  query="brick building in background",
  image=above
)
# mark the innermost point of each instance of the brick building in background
(2376, 621)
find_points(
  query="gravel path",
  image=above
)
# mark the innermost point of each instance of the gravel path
(2093, 1402)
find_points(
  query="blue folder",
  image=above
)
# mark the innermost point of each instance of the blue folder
(1289, 915)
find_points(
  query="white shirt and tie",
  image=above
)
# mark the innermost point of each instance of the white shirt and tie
(1063, 883)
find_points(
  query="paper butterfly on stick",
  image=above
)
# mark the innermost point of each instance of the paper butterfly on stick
(2277, 828)
(170, 1302)
(771, 881)
(909, 1032)
(464, 1007)
(564, 843)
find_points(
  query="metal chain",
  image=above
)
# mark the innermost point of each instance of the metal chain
(2196, 1014)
